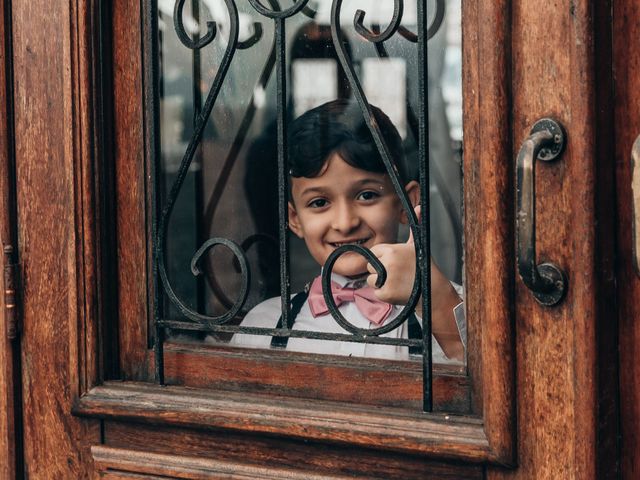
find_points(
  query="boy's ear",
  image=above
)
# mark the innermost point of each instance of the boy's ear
(413, 192)
(294, 221)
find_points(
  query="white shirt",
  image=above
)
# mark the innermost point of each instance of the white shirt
(267, 313)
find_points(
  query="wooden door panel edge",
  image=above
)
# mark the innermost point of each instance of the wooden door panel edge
(488, 218)
(123, 463)
(626, 55)
(435, 435)
(10, 399)
(281, 452)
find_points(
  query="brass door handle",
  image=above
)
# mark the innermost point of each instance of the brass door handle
(547, 282)
(635, 192)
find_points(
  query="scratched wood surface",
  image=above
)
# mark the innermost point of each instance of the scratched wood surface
(282, 453)
(627, 117)
(370, 381)
(52, 51)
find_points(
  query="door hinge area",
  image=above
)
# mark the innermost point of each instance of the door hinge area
(11, 283)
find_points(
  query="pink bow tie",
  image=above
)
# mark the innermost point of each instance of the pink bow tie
(376, 311)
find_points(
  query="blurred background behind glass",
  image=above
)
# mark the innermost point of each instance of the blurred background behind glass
(231, 188)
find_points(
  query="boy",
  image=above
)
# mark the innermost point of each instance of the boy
(341, 194)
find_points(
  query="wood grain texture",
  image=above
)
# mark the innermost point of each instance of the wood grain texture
(626, 54)
(10, 401)
(554, 75)
(84, 150)
(354, 380)
(50, 147)
(441, 436)
(134, 464)
(489, 274)
(131, 226)
(266, 457)
(318, 458)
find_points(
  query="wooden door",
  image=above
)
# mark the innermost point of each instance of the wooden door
(539, 399)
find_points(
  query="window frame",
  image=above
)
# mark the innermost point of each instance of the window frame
(126, 304)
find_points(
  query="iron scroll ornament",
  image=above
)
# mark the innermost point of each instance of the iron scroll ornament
(414, 124)
(376, 36)
(233, 45)
(163, 223)
(383, 149)
(547, 281)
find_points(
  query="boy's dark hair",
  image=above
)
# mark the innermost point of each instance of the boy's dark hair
(339, 127)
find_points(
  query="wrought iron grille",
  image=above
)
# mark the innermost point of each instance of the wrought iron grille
(194, 320)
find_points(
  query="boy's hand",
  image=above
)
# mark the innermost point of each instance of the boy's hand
(399, 260)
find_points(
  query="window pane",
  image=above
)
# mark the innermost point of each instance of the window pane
(230, 189)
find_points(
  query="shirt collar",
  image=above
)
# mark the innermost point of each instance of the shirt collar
(347, 282)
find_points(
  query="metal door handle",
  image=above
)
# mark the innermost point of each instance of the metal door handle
(635, 193)
(547, 281)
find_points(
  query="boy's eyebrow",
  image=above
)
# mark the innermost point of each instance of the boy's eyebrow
(358, 184)
(366, 181)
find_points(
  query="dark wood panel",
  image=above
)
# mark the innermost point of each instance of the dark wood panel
(626, 28)
(10, 402)
(436, 435)
(608, 420)
(355, 380)
(280, 453)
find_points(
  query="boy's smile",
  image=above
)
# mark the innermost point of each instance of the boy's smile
(345, 205)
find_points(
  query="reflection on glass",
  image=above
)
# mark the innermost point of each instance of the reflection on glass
(231, 188)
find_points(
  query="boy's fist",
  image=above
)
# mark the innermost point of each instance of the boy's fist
(399, 260)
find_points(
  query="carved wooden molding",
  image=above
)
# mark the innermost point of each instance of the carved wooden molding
(439, 435)
(122, 463)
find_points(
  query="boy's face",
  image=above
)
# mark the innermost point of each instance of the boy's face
(343, 205)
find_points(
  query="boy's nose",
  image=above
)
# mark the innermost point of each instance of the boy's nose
(345, 218)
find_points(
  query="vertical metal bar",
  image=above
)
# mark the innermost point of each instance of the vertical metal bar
(152, 126)
(283, 187)
(198, 177)
(425, 230)
(197, 95)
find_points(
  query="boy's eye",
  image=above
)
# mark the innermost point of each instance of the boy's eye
(317, 203)
(368, 195)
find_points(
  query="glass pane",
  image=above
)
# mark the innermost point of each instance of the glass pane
(230, 189)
